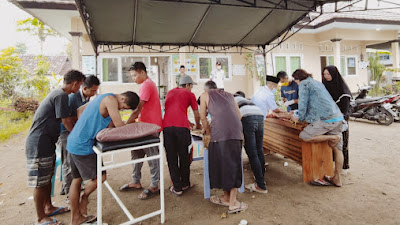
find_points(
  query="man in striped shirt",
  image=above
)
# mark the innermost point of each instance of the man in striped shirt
(253, 129)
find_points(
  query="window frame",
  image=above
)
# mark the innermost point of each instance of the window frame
(287, 58)
(213, 62)
(119, 57)
(345, 60)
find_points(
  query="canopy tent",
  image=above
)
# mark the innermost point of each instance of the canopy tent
(191, 22)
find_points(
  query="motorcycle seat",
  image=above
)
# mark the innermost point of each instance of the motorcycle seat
(365, 100)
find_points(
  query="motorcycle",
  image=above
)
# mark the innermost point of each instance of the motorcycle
(394, 100)
(374, 109)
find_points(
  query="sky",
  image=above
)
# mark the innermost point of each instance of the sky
(9, 15)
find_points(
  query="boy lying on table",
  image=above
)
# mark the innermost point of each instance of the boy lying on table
(100, 113)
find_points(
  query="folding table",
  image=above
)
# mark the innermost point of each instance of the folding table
(110, 148)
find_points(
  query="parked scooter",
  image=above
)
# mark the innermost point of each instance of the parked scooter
(374, 109)
(394, 100)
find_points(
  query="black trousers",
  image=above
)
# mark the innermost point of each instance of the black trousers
(176, 143)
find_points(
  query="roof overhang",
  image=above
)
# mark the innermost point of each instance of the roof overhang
(56, 14)
(191, 22)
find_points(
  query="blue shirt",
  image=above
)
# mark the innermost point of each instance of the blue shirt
(290, 92)
(265, 100)
(81, 139)
(315, 102)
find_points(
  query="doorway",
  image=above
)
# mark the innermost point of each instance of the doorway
(159, 73)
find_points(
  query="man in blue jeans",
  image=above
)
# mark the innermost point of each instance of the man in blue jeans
(253, 129)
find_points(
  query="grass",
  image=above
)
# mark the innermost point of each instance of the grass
(12, 123)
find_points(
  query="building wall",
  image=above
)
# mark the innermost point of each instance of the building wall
(309, 47)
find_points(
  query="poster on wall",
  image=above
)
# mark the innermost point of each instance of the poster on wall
(260, 64)
(89, 65)
(175, 64)
(191, 64)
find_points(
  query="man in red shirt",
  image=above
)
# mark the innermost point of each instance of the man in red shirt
(149, 109)
(177, 138)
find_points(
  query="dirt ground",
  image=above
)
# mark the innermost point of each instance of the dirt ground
(370, 194)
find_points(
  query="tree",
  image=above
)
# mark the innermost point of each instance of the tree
(11, 72)
(20, 47)
(36, 28)
(39, 84)
(377, 70)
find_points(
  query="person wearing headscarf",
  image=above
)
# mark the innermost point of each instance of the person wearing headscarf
(341, 94)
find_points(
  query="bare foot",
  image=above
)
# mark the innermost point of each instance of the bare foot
(333, 180)
(135, 185)
(49, 221)
(82, 219)
(335, 139)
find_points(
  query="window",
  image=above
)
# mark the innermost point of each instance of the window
(351, 65)
(110, 69)
(116, 68)
(126, 64)
(287, 63)
(347, 64)
(207, 65)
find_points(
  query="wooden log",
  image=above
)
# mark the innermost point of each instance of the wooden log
(317, 160)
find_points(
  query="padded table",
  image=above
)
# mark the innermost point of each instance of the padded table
(110, 148)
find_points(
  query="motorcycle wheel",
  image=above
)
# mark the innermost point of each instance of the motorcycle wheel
(385, 118)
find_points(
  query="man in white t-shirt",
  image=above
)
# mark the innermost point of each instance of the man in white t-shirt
(218, 76)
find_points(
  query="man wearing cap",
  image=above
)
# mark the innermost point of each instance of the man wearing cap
(264, 97)
(218, 76)
(177, 138)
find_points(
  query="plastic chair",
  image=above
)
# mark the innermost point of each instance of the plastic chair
(58, 163)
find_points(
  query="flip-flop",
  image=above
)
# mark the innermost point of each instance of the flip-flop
(172, 190)
(53, 221)
(329, 180)
(217, 200)
(237, 210)
(252, 187)
(89, 219)
(59, 211)
(127, 188)
(149, 194)
(319, 182)
(188, 188)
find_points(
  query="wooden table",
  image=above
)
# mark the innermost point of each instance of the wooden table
(283, 137)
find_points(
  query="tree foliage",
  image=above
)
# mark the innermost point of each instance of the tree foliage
(11, 72)
(21, 48)
(37, 28)
(377, 70)
(39, 84)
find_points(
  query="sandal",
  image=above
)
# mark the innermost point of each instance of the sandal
(149, 194)
(188, 188)
(253, 187)
(172, 190)
(237, 210)
(217, 200)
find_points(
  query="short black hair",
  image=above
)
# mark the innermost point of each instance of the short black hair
(209, 85)
(281, 74)
(182, 66)
(132, 99)
(240, 93)
(138, 66)
(72, 76)
(91, 81)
